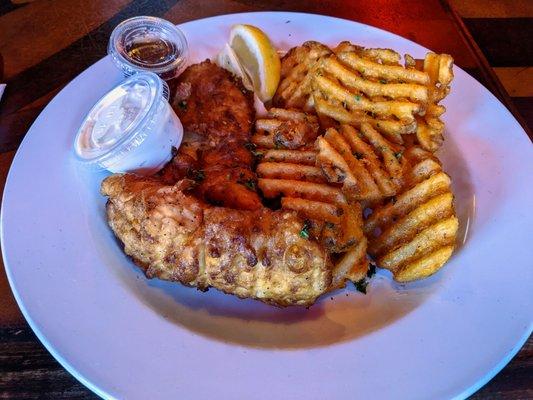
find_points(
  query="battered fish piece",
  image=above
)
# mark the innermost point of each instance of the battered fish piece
(252, 254)
(214, 106)
(184, 164)
(213, 103)
(229, 181)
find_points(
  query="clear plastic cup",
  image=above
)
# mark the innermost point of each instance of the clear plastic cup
(130, 129)
(148, 44)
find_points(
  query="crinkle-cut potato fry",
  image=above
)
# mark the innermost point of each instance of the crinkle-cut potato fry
(335, 167)
(303, 188)
(405, 202)
(403, 110)
(430, 128)
(438, 207)
(348, 232)
(297, 68)
(317, 210)
(353, 265)
(415, 92)
(440, 234)
(382, 56)
(308, 190)
(368, 166)
(291, 156)
(391, 129)
(283, 170)
(354, 84)
(414, 234)
(390, 73)
(285, 128)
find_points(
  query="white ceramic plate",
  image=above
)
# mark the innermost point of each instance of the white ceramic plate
(124, 336)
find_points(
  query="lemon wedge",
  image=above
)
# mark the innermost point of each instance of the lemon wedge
(258, 57)
(228, 60)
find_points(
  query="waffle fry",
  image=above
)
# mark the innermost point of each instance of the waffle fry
(304, 189)
(353, 265)
(291, 156)
(430, 128)
(382, 122)
(414, 234)
(353, 85)
(297, 67)
(382, 56)
(367, 165)
(367, 85)
(284, 128)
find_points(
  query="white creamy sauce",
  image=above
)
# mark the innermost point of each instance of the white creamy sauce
(131, 129)
(116, 113)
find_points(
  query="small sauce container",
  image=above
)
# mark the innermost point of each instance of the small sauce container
(148, 44)
(130, 129)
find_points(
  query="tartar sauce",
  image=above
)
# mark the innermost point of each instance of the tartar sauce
(130, 129)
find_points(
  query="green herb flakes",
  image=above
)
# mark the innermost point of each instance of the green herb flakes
(250, 185)
(305, 229)
(196, 175)
(371, 270)
(361, 285)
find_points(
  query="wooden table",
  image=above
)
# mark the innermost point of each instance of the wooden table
(45, 44)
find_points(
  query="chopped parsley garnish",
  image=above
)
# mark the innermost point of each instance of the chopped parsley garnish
(257, 154)
(371, 270)
(250, 146)
(361, 285)
(196, 175)
(278, 142)
(383, 81)
(399, 154)
(357, 97)
(250, 184)
(182, 104)
(305, 229)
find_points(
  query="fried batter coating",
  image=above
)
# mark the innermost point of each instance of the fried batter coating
(252, 254)
(213, 103)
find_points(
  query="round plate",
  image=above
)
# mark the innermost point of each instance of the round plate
(124, 336)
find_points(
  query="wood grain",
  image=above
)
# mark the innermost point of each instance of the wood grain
(40, 29)
(517, 81)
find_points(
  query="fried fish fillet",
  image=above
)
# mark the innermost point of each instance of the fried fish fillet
(214, 106)
(213, 103)
(252, 254)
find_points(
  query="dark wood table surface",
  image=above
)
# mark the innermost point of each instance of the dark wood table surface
(46, 43)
